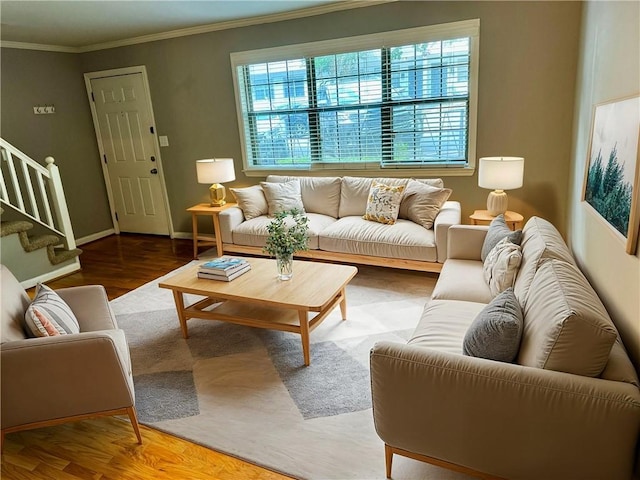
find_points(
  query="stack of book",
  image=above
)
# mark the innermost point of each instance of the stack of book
(224, 268)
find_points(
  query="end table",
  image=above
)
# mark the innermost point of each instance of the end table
(204, 240)
(482, 217)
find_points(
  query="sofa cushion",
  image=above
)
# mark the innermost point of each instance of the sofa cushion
(319, 194)
(383, 203)
(355, 192)
(498, 229)
(495, 333)
(444, 323)
(14, 301)
(49, 315)
(254, 233)
(501, 266)
(251, 201)
(540, 241)
(421, 203)
(462, 280)
(283, 196)
(566, 327)
(403, 240)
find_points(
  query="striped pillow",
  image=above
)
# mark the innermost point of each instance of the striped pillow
(48, 315)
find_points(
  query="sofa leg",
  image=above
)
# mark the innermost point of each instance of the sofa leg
(388, 458)
(131, 411)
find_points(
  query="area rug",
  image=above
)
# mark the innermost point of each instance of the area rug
(246, 392)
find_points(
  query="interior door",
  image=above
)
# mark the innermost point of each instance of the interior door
(129, 150)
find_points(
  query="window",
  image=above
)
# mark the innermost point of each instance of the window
(403, 100)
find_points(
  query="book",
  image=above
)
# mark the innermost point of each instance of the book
(224, 277)
(224, 265)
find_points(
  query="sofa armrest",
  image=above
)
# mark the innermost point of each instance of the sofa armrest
(503, 419)
(230, 218)
(90, 305)
(56, 377)
(465, 241)
(449, 214)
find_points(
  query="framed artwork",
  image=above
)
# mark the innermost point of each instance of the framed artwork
(612, 178)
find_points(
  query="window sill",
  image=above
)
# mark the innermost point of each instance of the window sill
(378, 172)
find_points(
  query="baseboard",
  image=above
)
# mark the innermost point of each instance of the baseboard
(188, 235)
(45, 277)
(95, 236)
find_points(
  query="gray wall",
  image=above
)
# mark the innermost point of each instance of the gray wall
(528, 59)
(31, 78)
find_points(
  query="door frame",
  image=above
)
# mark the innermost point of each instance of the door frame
(105, 172)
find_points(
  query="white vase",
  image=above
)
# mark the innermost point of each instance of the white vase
(284, 264)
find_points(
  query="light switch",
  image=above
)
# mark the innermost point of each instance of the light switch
(164, 140)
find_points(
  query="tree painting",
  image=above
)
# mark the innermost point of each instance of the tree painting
(613, 163)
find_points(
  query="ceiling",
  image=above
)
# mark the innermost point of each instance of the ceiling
(82, 25)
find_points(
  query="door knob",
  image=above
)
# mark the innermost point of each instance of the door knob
(154, 171)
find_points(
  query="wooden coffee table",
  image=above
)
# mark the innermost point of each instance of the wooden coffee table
(259, 299)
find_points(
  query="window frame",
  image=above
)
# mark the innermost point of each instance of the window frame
(447, 31)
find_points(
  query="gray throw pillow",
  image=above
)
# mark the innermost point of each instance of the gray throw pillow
(496, 332)
(498, 229)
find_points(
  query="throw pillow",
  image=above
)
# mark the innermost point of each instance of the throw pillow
(498, 229)
(501, 266)
(251, 201)
(383, 203)
(421, 203)
(49, 315)
(283, 196)
(496, 331)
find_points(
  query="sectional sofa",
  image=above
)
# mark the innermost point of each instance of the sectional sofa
(335, 207)
(566, 407)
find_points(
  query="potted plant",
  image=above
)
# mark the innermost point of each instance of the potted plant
(288, 234)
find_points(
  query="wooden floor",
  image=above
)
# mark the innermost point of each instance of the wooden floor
(106, 448)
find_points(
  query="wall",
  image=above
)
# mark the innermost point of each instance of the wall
(528, 58)
(609, 68)
(31, 78)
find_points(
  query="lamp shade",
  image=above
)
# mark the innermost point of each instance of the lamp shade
(501, 173)
(215, 170)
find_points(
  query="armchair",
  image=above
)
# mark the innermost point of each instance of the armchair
(50, 380)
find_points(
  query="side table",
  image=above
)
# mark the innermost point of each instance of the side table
(482, 217)
(205, 240)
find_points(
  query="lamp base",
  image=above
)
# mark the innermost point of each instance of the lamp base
(217, 194)
(497, 202)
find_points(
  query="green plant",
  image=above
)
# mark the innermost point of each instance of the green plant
(288, 233)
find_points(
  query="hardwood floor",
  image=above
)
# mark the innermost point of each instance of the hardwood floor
(106, 448)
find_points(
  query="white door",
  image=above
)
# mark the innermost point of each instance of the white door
(129, 152)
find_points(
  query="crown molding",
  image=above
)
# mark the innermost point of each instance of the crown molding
(183, 32)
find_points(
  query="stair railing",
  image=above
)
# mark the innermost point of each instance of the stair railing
(37, 188)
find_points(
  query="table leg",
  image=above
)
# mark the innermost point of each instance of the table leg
(179, 300)
(194, 222)
(216, 231)
(304, 333)
(343, 304)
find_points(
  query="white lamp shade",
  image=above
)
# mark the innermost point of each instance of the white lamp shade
(215, 170)
(501, 173)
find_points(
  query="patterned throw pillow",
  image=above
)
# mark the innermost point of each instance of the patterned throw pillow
(383, 203)
(49, 315)
(501, 266)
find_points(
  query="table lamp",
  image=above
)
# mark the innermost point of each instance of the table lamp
(215, 171)
(500, 173)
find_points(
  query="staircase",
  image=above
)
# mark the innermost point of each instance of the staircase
(36, 241)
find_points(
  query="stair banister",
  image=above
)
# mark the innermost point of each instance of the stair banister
(60, 204)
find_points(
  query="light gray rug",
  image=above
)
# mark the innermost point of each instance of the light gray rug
(245, 391)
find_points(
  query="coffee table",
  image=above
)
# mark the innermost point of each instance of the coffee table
(258, 299)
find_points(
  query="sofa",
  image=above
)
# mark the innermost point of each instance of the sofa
(567, 406)
(335, 207)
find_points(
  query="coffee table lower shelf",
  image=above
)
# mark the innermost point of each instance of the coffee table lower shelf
(300, 320)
